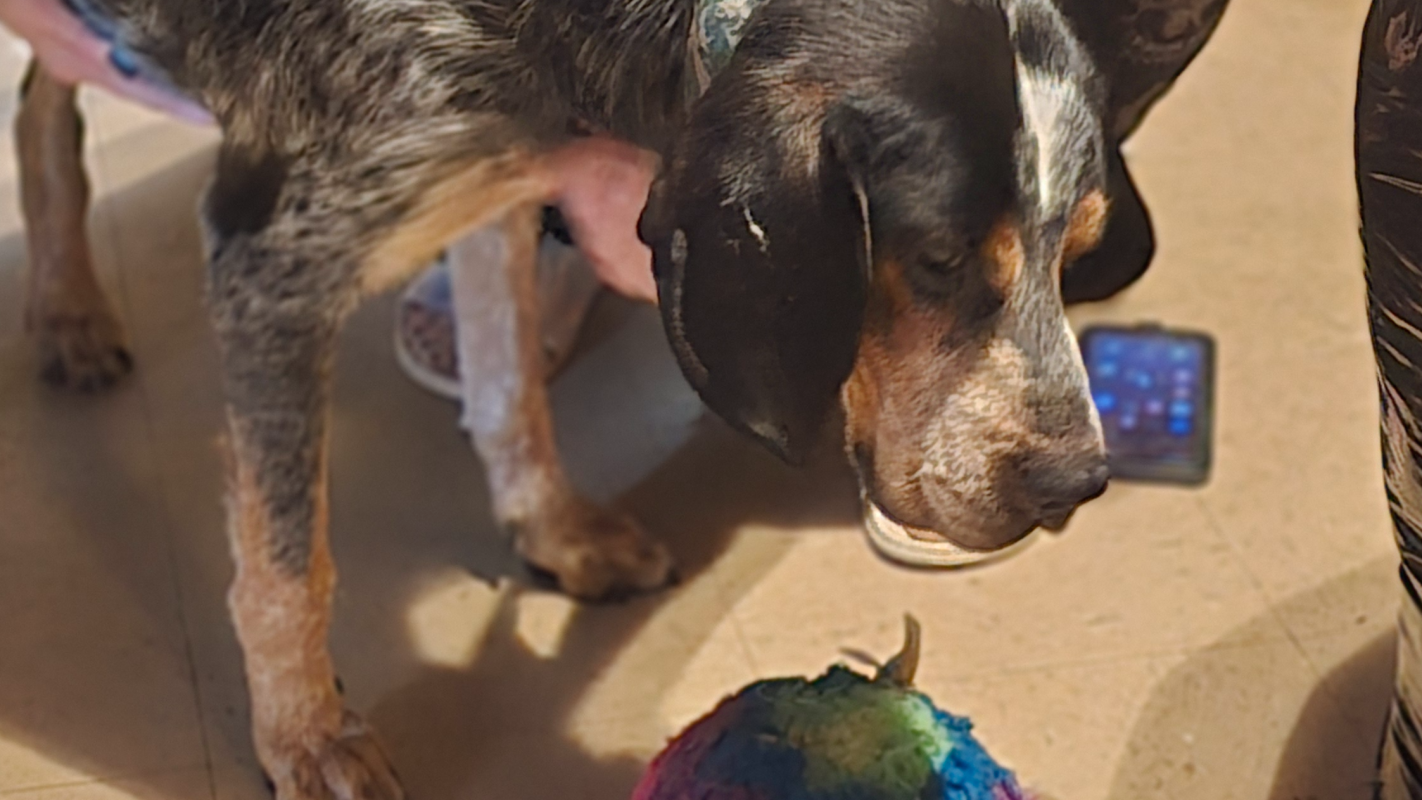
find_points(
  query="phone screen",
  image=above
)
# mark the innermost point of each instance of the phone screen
(1153, 390)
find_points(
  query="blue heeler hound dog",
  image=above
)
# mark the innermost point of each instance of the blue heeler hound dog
(875, 208)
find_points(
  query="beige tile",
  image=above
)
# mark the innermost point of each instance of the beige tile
(687, 658)
(95, 678)
(580, 687)
(1310, 510)
(1259, 247)
(1233, 723)
(525, 766)
(14, 55)
(238, 782)
(1346, 629)
(1358, 603)
(1061, 729)
(614, 433)
(128, 143)
(177, 377)
(1172, 584)
(1356, 674)
(180, 785)
(12, 286)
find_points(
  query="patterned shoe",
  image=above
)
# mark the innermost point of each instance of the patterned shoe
(425, 325)
(424, 332)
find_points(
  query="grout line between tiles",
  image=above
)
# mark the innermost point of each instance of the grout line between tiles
(1156, 653)
(106, 780)
(744, 642)
(729, 602)
(115, 236)
(98, 148)
(1259, 586)
(1109, 658)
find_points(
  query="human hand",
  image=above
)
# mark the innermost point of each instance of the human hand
(73, 54)
(602, 186)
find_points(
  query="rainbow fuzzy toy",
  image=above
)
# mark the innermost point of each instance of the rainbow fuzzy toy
(842, 736)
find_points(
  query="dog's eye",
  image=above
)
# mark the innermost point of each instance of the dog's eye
(942, 264)
(951, 273)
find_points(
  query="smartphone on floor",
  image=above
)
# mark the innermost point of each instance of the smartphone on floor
(1154, 389)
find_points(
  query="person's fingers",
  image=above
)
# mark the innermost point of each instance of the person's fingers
(606, 232)
(72, 54)
(63, 45)
(625, 266)
(89, 61)
(602, 187)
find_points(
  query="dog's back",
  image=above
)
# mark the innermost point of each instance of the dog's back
(288, 72)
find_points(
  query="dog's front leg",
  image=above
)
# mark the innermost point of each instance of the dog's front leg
(276, 298)
(80, 342)
(592, 552)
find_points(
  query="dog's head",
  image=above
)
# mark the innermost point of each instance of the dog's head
(874, 204)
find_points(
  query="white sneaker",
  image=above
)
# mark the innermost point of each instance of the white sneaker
(911, 547)
(425, 326)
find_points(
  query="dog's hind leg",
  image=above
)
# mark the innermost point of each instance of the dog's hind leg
(592, 552)
(282, 275)
(80, 342)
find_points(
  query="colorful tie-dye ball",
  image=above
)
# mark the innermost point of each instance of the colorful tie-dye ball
(842, 736)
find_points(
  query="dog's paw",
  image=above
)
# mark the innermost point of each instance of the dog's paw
(349, 766)
(80, 349)
(593, 554)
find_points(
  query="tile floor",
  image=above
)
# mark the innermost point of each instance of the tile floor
(1232, 642)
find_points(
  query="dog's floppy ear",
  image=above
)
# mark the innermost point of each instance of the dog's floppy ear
(759, 235)
(1127, 245)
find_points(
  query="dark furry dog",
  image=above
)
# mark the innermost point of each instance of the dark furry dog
(882, 204)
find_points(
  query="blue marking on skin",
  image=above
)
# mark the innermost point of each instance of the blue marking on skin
(126, 60)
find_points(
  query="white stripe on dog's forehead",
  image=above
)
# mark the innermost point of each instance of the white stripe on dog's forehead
(1058, 138)
(1061, 139)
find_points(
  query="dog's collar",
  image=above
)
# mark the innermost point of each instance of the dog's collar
(718, 29)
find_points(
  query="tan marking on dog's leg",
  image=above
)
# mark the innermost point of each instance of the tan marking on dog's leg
(310, 746)
(282, 622)
(80, 342)
(594, 553)
(276, 346)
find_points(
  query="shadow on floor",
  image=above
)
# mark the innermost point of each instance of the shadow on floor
(1217, 712)
(408, 502)
(1340, 730)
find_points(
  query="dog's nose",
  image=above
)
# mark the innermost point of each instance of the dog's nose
(1061, 490)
